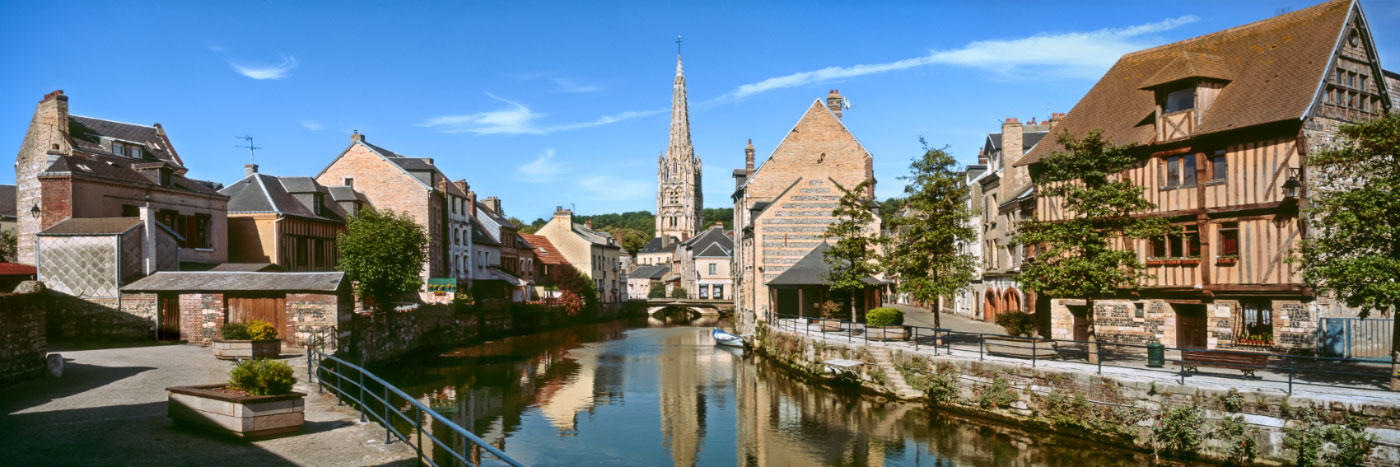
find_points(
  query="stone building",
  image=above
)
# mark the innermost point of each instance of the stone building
(782, 208)
(515, 267)
(549, 265)
(679, 202)
(393, 182)
(1003, 198)
(593, 253)
(290, 222)
(705, 264)
(1226, 122)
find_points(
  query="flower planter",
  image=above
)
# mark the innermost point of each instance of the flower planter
(886, 333)
(1024, 347)
(246, 349)
(831, 325)
(1226, 261)
(242, 416)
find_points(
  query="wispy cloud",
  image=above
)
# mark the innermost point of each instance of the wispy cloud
(1075, 54)
(216, 48)
(312, 125)
(517, 119)
(612, 188)
(278, 71)
(568, 85)
(542, 170)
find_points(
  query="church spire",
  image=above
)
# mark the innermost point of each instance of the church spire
(680, 149)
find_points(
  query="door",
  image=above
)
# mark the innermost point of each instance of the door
(787, 302)
(270, 308)
(1190, 326)
(169, 310)
(1081, 321)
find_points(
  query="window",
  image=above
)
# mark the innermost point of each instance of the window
(704, 291)
(1230, 240)
(201, 232)
(349, 181)
(714, 268)
(316, 201)
(1254, 323)
(718, 291)
(1179, 100)
(1219, 168)
(129, 210)
(1182, 242)
(118, 148)
(135, 152)
(166, 177)
(1179, 171)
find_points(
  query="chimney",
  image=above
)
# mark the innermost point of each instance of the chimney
(249, 169)
(982, 156)
(494, 204)
(1012, 148)
(1056, 118)
(870, 175)
(148, 247)
(748, 157)
(462, 185)
(588, 223)
(357, 137)
(471, 202)
(564, 215)
(834, 102)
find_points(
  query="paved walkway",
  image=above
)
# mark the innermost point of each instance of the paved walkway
(109, 408)
(915, 316)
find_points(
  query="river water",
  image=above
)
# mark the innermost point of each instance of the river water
(647, 393)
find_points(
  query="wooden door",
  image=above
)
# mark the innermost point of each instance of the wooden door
(168, 308)
(270, 308)
(1081, 321)
(1190, 326)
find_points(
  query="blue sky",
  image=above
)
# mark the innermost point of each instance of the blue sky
(547, 104)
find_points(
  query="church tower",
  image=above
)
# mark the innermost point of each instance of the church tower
(679, 204)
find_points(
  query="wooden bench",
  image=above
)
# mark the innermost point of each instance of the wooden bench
(1245, 362)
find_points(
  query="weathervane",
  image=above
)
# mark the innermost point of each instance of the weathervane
(251, 148)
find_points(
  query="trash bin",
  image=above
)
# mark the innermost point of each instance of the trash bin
(1156, 355)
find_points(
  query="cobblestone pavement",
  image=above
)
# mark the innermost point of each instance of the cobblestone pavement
(109, 408)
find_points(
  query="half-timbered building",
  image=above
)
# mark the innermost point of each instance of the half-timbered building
(1225, 124)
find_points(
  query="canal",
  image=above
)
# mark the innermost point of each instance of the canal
(647, 392)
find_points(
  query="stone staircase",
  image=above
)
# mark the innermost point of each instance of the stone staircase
(893, 378)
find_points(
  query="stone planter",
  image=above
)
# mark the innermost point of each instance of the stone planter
(241, 416)
(831, 325)
(230, 349)
(886, 333)
(1023, 347)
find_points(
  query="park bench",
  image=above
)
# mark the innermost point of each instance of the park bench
(1192, 360)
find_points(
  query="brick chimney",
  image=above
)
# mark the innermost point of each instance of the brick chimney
(1012, 149)
(588, 223)
(494, 204)
(462, 185)
(471, 202)
(249, 169)
(45, 141)
(564, 215)
(357, 137)
(1056, 118)
(834, 102)
(982, 156)
(748, 157)
(870, 175)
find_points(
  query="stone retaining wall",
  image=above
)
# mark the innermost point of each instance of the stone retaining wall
(23, 344)
(1097, 408)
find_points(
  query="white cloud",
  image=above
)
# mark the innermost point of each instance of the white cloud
(215, 48)
(312, 125)
(1076, 54)
(542, 170)
(568, 85)
(611, 188)
(267, 72)
(517, 119)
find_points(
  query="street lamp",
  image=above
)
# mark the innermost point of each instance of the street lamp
(1291, 187)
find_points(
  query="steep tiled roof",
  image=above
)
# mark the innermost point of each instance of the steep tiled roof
(545, 250)
(711, 243)
(87, 133)
(594, 237)
(659, 245)
(1274, 69)
(414, 164)
(652, 272)
(811, 270)
(480, 236)
(120, 169)
(92, 226)
(262, 193)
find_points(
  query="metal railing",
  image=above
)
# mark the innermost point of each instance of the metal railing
(1279, 368)
(401, 415)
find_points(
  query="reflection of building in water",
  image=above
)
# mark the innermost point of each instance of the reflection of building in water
(682, 407)
(561, 401)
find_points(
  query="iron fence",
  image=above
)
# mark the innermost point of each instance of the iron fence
(1181, 362)
(401, 415)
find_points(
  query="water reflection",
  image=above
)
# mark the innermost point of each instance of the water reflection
(649, 393)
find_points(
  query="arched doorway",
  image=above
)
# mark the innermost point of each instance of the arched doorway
(990, 306)
(1011, 301)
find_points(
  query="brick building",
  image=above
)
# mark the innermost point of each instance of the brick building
(782, 208)
(1003, 196)
(290, 222)
(1225, 124)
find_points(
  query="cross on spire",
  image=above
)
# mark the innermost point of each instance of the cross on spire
(678, 44)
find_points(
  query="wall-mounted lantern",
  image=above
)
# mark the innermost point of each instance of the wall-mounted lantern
(34, 211)
(1292, 188)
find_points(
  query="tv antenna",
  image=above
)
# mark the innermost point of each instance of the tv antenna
(251, 148)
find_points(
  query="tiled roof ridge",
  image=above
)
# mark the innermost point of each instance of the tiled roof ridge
(152, 126)
(1286, 17)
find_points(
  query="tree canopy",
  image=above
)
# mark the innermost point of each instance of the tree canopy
(851, 258)
(926, 246)
(383, 254)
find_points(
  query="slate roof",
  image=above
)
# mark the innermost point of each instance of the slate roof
(595, 237)
(263, 193)
(713, 242)
(7, 202)
(246, 267)
(544, 249)
(811, 270)
(117, 168)
(345, 193)
(1275, 67)
(480, 236)
(652, 272)
(217, 281)
(92, 226)
(86, 133)
(659, 245)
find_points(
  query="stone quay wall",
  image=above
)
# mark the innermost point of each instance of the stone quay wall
(1082, 404)
(23, 340)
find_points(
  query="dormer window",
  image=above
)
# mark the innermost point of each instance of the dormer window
(134, 152)
(316, 204)
(1179, 100)
(118, 148)
(166, 177)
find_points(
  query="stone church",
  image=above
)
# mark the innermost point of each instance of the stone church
(679, 203)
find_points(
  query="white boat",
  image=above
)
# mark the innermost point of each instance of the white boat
(724, 338)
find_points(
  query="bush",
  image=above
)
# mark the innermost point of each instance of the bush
(1345, 444)
(261, 330)
(262, 377)
(998, 395)
(1016, 323)
(1179, 431)
(1241, 449)
(658, 290)
(678, 292)
(235, 332)
(884, 316)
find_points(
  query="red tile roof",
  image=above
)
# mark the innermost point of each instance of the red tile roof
(544, 249)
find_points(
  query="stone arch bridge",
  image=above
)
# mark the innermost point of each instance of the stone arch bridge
(703, 307)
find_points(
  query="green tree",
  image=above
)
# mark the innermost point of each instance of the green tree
(925, 249)
(1355, 251)
(382, 254)
(713, 215)
(658, 290)
(9, 249)
(851, 258)
(890, 206)
(1077, 257)
(631, 240)
(679, 292)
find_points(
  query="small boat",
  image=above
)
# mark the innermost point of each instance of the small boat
(724, 338)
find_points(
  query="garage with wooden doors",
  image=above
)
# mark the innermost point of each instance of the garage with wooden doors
(192, 306)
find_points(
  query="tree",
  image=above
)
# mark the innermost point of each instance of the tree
(1355, 253)
(9, 250)
(851, 258)
(382, 254)
(926, 249)
(577, 293)
(658, 290)
(1077, 257)
(679, 292)
(631, 240)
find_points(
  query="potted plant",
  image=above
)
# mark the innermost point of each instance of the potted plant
(1020, 327)
(254, 339)
(885, 324)
(257, 401)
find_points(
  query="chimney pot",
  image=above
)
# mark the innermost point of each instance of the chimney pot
(249, 169)
(357, 137)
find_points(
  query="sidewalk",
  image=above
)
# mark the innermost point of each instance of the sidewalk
(109, 408)
(915, 316)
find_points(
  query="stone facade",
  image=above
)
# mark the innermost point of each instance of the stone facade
(1001, 197)
(593, 253)
(679, 201)
(23, 334)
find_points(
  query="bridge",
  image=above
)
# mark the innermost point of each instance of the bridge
(701, 306)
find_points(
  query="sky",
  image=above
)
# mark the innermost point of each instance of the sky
(567, 104)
